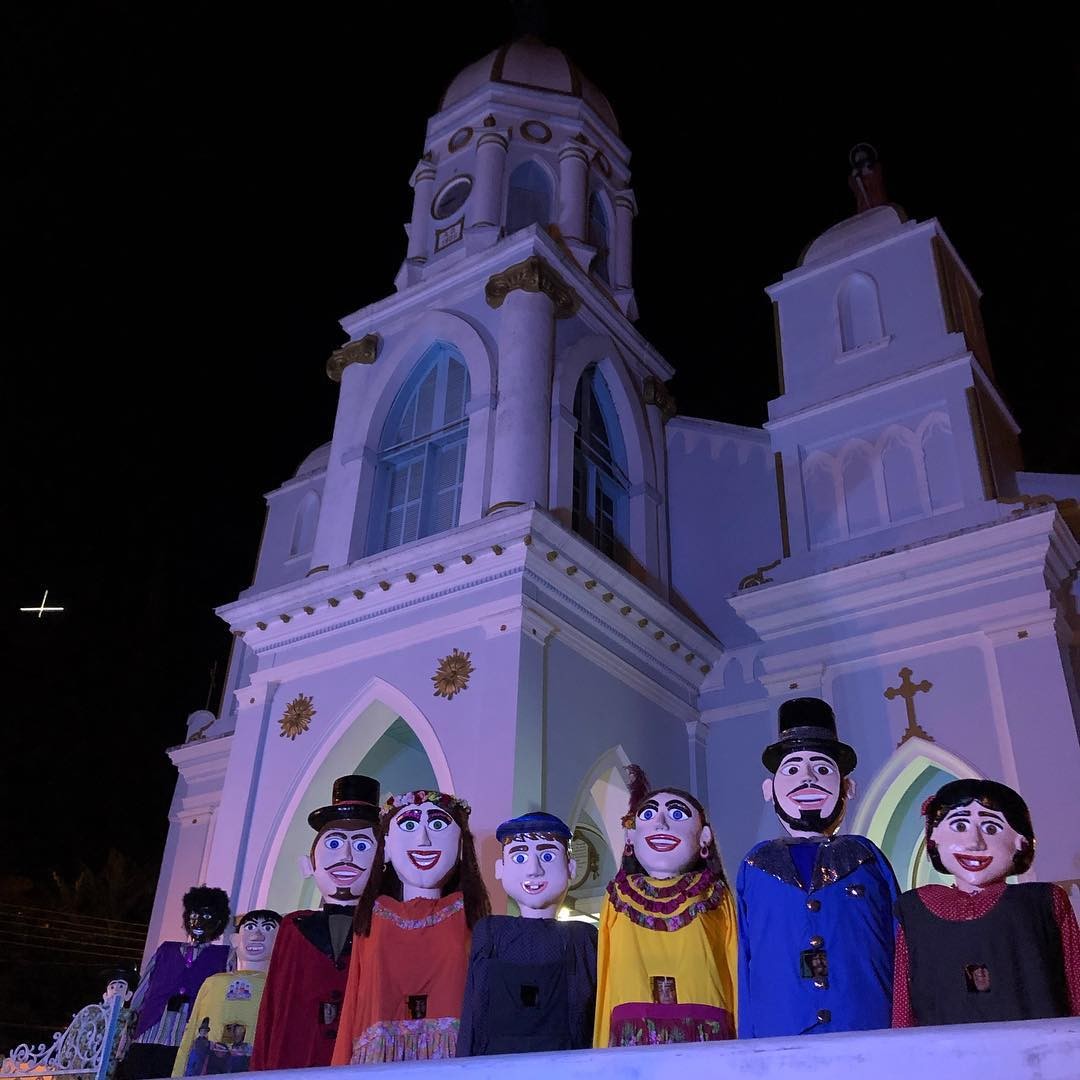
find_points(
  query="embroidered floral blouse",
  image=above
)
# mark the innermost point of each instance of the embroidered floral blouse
(683, 928)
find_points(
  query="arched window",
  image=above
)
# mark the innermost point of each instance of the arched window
(421, 461)
(859, 312)
(307, 516)
(600, 480)
(529, 200)
(598, 238)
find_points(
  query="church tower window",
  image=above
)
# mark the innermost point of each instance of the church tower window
(529, 199)
(859, 312)
(421, 461)
(601, 485)
(307, 517)
(598, 238)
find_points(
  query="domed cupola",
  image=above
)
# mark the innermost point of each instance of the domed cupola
(522, 138)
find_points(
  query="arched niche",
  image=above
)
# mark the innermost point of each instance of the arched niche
(889, 812)
(858, 312)
(380, 733)
(529, 196)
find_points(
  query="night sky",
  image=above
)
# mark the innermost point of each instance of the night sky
(197, 192)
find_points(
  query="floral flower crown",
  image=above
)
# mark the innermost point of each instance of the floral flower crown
(415, 798)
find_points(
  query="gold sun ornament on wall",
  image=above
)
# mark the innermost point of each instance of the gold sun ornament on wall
(452, 674)
(297, 716)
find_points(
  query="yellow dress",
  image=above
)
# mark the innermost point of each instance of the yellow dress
(231, 997)
(682, 927)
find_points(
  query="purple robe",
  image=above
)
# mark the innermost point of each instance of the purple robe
(169, 973)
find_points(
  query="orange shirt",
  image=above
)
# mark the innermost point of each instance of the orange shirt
(415, 948)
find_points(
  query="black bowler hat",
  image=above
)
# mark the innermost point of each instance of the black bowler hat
(808, 723)
(355, 798)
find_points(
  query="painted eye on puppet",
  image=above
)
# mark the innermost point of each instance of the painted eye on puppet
(678, 814)
(548, 856)
(823, 770)
(958, 826)
(519, 857)
(991, 828)
(647, 814)
(408, 825)
(332, 843)
(437, 824)
(360, 845)
(790, 770)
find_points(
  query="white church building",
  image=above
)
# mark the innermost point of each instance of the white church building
(514, 568)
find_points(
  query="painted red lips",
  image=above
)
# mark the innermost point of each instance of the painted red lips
(663, 842)
(974, 863)
(534, 886)
(424, 860)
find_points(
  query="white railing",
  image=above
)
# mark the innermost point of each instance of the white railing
(87, 1048)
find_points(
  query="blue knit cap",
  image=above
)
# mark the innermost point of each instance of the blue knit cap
(535, 822)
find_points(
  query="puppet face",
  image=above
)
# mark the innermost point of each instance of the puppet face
(535, 871)
(668, 835)
(808, 793)
(423, 844)
(342, 859)
(117, 988)
(205, 923)
(976, 845)
(254, 942)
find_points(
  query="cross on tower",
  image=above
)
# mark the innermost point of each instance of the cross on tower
(907, 690)
(41, 608)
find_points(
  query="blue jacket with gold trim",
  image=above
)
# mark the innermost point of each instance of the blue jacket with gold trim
(815, 956)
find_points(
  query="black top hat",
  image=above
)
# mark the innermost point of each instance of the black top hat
(355, 798)
(808, 723)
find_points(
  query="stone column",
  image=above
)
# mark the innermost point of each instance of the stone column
(531, 296)
(423, 180)
(573, 190)
(485, 206)
(229, 847)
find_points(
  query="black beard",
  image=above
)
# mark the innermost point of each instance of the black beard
(811, 821)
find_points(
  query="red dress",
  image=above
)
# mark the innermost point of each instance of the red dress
(406, 983)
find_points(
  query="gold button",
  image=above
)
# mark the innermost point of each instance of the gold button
(824, 1016)
(813, 905)
(816, 942)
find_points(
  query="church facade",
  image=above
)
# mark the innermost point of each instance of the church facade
(514, 568)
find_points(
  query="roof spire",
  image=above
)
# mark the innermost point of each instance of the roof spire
(867, 179)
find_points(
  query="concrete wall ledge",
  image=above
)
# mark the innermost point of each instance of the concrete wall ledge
(1036, 1049)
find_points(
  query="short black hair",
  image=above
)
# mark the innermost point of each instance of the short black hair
(259, 913)
(993, 796)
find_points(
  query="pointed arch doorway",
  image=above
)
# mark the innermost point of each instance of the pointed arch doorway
(890, 812)
(381, 734)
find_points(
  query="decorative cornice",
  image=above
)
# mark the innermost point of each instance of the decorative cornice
(654, 392)
(363, 351)
(536, 275)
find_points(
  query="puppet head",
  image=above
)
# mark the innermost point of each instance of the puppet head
(117, 983)
(667, 832)
(810, 787)
(424, 849)
(206, 913)
(536, 867)
(254, 939)
(344, 846)
(980, 832)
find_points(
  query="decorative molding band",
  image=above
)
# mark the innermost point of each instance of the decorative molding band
(360, 453)
(364, 351)
(536, 275)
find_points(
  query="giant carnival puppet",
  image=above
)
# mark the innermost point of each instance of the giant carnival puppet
(666, 961)
(815, 908)
(171, 980)
(222, 1024)
(301, 1004)
(411, 938)
(981, 949)
(532, 979)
